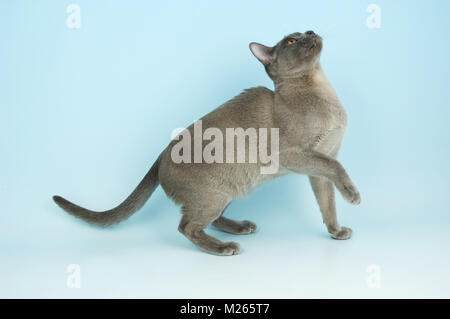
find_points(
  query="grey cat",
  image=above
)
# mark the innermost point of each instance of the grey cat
(311, 121)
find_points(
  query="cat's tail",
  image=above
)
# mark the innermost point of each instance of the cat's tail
(127, 208)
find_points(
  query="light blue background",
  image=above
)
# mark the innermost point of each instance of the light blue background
(85, 112)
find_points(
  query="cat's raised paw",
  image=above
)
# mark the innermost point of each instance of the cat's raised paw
(342, 233)
(350, 193)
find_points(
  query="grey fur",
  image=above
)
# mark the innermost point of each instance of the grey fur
(128, 207)
(311, 122)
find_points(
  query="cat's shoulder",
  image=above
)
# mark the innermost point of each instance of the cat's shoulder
(258, 91)
(254, 94)
(249, 100)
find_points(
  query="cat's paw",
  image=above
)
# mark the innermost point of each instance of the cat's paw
(349, 192)
(342, 233)
(230, 248)
(248, 227)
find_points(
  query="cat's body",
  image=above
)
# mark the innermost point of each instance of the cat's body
(311, 122)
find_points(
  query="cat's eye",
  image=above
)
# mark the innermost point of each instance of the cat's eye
(290, 41)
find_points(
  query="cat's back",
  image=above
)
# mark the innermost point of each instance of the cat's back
(251, 108)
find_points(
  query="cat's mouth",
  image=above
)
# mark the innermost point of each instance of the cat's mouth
(316, 42)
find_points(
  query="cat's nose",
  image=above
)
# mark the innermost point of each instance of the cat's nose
(309, 32)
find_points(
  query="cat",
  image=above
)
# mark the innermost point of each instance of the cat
(311, 122)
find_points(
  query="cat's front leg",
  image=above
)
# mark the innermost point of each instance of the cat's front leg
(324, 192)
(317, 164)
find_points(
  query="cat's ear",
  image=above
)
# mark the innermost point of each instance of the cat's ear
(265, 55)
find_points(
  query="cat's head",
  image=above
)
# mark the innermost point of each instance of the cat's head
(295, 55)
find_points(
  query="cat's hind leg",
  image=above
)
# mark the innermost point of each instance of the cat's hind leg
(195, 219)
(235, 227)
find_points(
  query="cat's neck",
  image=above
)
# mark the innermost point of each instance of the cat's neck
(314, 80)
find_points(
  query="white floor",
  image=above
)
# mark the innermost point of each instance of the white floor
(291, 256)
